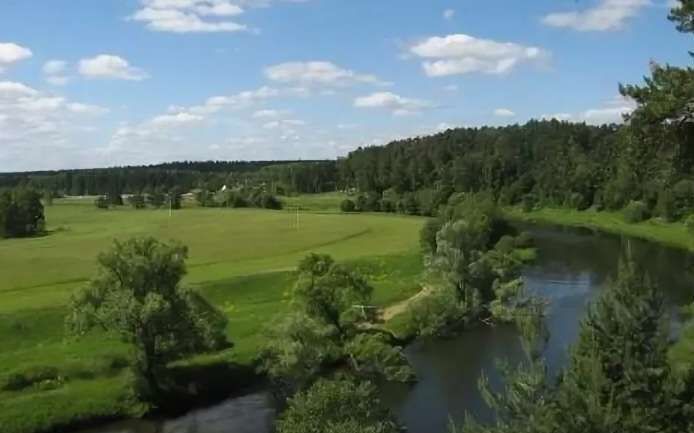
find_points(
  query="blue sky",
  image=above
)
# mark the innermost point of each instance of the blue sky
(87, 83)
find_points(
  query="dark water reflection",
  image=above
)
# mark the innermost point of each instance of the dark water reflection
(572, 266)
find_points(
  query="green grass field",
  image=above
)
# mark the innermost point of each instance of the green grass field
(327, 202)
(241, 260)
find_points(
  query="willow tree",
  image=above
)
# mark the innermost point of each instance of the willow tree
(138, 296)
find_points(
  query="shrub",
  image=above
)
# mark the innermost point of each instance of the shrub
(506, 244)
(665, 206)
(270, 202)
(137, 201)
(524, 240)
(528, 203)
(689, 223)
(29, 377)
(635, 212)
(101, 202)
(361, 204)
(348, 206)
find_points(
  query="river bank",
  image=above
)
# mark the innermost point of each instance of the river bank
(570, 269)
(673, 234)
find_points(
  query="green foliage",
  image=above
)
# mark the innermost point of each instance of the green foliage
(137, 201)
(337, 406)
(528, 203)
(689, 223)
(33, 376)
(371, 355)
(473, 265)
(329, 292)
(137, 296)
(299, 348)
(683, 15)
(331, 315)
(173, 198)
(101, 202)
(21, 213)
(348, 206)
(636, 212)
(156, 199)
(427, 236)
(524, 240)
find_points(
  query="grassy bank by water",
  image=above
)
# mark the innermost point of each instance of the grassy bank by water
(241, 260)
(670, 234)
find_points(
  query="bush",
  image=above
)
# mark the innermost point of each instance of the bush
(348, 206)
(361, 203)
(636, 212)
(101, 202)
(524, 240)
(689, 223)
(137, 201)
(270, 202)
(528, 203)
(30, 377)
(665, 206)
(506, 244)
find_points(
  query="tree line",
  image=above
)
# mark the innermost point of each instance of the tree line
(286, 177)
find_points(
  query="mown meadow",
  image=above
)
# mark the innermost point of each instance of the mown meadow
(241, 260)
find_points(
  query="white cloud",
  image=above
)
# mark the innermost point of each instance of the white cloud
(449, 14)
(397, 104)
(504, 112)
(461, 54)
(317, 73)
(195, 16)
(54, 67)
(562, 117)
(38, 128)
(284, 123)
(55, 71)
(269, 114)
(605, 16)
(182, 118)
(182, 21)
(611, 111)
(11, 53)
(77, 107)
(108, 66)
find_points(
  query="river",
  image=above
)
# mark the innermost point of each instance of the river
(571, 268)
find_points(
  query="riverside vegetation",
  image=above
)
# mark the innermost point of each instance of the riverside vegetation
(324, 354)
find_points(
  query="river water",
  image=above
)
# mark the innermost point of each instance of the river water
(573, 265)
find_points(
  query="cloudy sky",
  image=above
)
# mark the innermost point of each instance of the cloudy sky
(87, 83)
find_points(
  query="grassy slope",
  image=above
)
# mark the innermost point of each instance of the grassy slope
(242, 260)
(671, 234)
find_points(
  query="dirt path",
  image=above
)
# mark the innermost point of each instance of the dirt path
(396, 309)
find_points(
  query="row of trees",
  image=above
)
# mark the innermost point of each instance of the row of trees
(21, 213)
(238, 197)
(278, 177)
